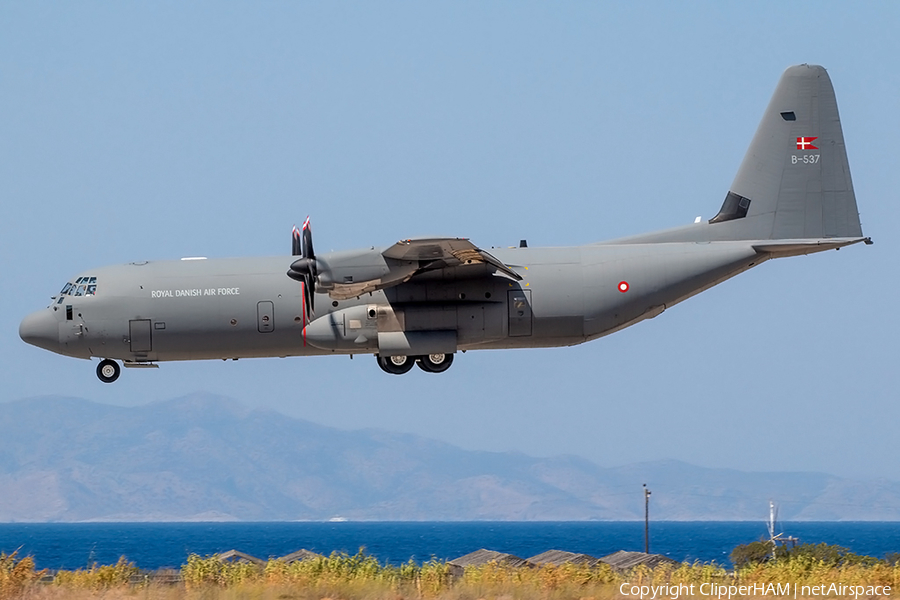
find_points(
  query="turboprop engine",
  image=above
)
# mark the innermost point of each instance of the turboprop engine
(399, 339)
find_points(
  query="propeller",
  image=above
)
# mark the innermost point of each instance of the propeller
(295, 239)
(304, 269)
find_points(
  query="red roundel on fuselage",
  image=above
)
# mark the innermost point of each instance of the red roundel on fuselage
(623, 286)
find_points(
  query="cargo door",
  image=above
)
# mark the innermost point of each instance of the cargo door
(139, 334)
(519, 313)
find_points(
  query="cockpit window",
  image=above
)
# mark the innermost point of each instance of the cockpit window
(83, 286)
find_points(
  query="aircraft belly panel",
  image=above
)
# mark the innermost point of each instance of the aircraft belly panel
(555, 296)
(72, 339)
(521, 316)
(470, 323)
(416, 343)
(429, 318)
(644, 278)
(108, 338)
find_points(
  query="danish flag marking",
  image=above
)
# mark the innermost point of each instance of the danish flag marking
(805, 143)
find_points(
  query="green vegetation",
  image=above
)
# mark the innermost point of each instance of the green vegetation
(826, 554)
(754, 552)
(362, 576)
(98, 577)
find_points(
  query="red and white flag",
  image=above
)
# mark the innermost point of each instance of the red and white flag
(805, 143)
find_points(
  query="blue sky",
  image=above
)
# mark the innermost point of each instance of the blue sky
(157, 130)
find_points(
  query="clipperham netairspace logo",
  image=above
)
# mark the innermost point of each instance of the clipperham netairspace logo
(771, 590)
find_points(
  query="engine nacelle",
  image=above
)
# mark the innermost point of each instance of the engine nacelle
(350, 267)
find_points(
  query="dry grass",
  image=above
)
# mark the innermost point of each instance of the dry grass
(361, 577)
(52, 592)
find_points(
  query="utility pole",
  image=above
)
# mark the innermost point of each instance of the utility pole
(774, 538)
(771, 527)
(646, 520)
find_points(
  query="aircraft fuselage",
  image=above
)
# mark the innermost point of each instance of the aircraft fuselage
(246, 307)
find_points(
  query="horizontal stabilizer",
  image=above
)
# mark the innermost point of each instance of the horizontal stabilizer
(783, 248)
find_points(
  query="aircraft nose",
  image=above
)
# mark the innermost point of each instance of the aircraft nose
(40, 329)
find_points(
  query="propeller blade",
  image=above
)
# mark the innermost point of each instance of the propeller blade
(295, 242)
(306, 320)
(304, 269)
(309, 290)
(296, 276)
(307, 249)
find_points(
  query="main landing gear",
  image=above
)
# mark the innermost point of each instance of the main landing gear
(108, 370)
(430, 363)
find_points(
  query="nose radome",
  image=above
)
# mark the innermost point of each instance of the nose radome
(40, 329)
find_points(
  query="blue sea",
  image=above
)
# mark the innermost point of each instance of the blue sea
(157, 545)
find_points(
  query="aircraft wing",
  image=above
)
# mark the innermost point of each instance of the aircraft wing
(445, 252)
(408, 258)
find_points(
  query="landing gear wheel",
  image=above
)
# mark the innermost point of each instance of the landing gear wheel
(108, 370)
(395, 365)
(435, 363)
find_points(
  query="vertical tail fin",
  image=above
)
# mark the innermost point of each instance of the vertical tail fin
(794, 182)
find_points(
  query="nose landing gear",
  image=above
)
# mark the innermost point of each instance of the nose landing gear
(108, 370)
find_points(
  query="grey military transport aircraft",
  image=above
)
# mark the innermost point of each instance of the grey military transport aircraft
(421, 300)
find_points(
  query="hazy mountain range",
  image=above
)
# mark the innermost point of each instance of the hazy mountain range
(205, 457)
